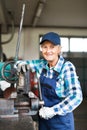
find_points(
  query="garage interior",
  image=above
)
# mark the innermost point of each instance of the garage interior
(48, 15)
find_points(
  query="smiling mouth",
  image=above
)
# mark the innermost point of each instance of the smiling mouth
(49, 54)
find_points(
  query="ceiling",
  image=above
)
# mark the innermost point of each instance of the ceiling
(43, 13)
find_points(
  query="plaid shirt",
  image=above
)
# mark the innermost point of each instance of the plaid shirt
(67, 84)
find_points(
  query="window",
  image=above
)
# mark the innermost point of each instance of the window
(64, 44)
(78, 44)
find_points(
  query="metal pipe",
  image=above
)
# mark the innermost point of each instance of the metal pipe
(19, 34)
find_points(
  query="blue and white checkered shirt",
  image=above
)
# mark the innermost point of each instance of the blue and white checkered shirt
(67, 86)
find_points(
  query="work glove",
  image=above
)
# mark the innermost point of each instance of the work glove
(47, 112)
(21, 66)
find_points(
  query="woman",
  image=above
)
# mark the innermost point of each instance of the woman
(60, 87)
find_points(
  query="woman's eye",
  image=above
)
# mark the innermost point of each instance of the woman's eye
(44, 47)
(52, 47)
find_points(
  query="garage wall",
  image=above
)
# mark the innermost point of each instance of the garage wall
(29, 45)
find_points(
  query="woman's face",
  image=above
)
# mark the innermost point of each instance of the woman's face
(50, 51)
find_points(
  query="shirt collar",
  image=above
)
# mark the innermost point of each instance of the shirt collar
(58, 66)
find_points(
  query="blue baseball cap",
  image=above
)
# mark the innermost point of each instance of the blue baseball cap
(52, 37)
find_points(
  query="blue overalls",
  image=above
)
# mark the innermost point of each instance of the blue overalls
(50, 98)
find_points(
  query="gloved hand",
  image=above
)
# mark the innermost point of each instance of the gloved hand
(47, 112)
(21, 66)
